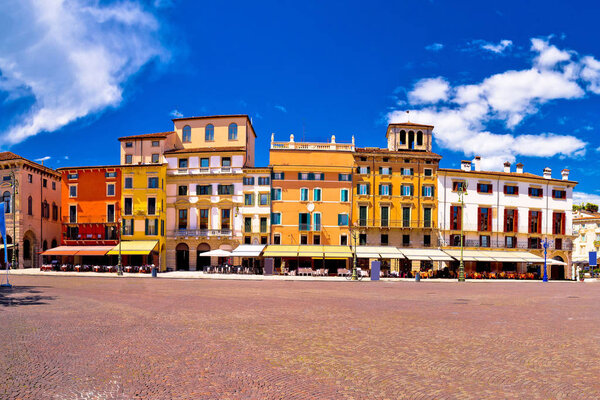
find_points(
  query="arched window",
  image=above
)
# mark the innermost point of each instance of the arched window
(54, 212)
(6, 201)
(54, 243)
(411, 140)
(45, 210)
(26, 249)
(403, 137)
(45, 246)
(30, 205)
(209, 133)
(187, 134)
(233, 132)
(419, 138)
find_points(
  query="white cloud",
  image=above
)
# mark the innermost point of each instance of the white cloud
(431, 90)
(582, 197)
(434, 47)
(176, 114)
(43, 159)
(497, 48)
(462, 113)
(281, 108)
(72, 58)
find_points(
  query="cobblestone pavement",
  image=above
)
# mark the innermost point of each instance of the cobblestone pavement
(102, 338)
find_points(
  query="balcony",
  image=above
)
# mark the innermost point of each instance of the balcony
(304, 227)
(200, 233)
(393, 223)
(567, 245)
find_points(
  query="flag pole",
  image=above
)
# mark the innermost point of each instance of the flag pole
(3, 233)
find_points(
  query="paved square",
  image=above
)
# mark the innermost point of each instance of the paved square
(106, 338)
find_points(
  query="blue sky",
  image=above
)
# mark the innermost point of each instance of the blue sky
(510, 80)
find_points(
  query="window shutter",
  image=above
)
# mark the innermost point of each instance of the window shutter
(380, 170)
(478, 218)
(516, 190)
(299, 176)
(339, 219)
(529, 191)
(412, 170)
(516, 221)
(368, 189)
(478, 187)
(147, 227)
(562, 223)
(530, 219)
(505, 190)
(539, 222)
(506, 217)
(459, 215)
(489, 227)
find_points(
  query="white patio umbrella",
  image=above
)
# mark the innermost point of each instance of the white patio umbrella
(216, 253)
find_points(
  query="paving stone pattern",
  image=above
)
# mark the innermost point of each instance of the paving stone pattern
(98, 338)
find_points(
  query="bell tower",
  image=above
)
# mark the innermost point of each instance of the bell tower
(409, 136)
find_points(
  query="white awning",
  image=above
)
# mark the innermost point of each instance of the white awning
(425, 254)
(555, 262)
(215, 253)
(378, 252)
(248, 250)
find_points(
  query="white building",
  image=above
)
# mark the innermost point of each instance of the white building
(507, 212)
(586, 230)
(256, 210)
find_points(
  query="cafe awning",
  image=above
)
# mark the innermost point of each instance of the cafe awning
(378, 252)
(94, 250)
(248, 250)
(416, 254)
(8, 245)
(310, 251)
(275, 250)
(216, 253)
(495, 255)
(367, 252)
(337, 252)
(134, 248)
(468, 255)
(77, 251)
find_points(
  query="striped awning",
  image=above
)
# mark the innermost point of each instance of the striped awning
(77, 251)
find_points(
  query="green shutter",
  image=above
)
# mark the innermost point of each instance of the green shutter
(147, 226)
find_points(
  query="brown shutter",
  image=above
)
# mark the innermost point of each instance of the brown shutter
(505, 216)
(478, 187)
(516, 189)
(516, 221)
(489, 219)
(530, 217)
(539, 222)
(459, 219)
(563, 222)
(504, 193)
(478, 217)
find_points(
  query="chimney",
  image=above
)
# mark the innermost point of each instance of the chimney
(477, 163)
(506, 167)
(547, 173)
(565, 174)
(465, 165)
(519, 168)
(332, 138)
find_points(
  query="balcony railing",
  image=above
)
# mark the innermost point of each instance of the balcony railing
(97, 219)
(304, 227)
(200, 232)
(392, 223)
(501, 244)
(313, 146)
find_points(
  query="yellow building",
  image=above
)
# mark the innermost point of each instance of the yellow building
(394, 202)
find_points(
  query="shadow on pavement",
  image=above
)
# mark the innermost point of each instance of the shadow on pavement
(22, 296)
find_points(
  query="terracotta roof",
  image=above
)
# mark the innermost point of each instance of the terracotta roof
(507, 174)
(409, 124)
(7, 155)
(205, 150)
(91, 167)
(158, 135)
(377, 150)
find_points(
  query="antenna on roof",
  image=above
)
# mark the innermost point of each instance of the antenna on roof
(407, 118)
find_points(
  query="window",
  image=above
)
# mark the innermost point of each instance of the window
(385, 190)
(128, 182)
(72, 214)
(128, 159)
(406, 217)
(385, 216)
(110, 213)
(510, 242)
(511, 220)
(385, 171)
(405, 240)
(558, 244)
(155, 158)
(264, 199)
(559, 194)
(53, 185)
(247, 224)
(276, 219)
(362, 239)
(316, 194)
(427, 240)
(128, 145)
(344, 195)
(155, 143)
(536, 192)
(203, 189)
(225, 189)
(455, 217)
(263, 224)
(484, 219)
(363, 188)
(484, 241)
(558, 223)
(343, 219)
(6, 200)
(204, 218)
(29, 178)
(384, 239)
(511, 189)
(151, 206)
(225, 219)
(45, 210)
(226, 162)
(363, 170)
(304, 221)
(248, 180)
(427, 217)
(151, 227)
(263, 180)
(303, 194)
(209, 133)
(428, 172)
(407, 190)
(484, 188)
(72, 176)
(344, 240)
(54, 212)
(276, 194)
(344, 177)
(204, 162)
(317, 239)
(407, 171)
(455, 240)
(385, 159)
(458, 186)
(535, 222)
(153, 182)
(362, 215)
(279, 176)
(182, 220)
(183, 163)
(44, 182)
(534, 243)
(427, 191)
(303, 239)
(72, 190)
(248, 199)
(233, 132)
(182, 190)
(127, 227)
(187, 134)
(277, 239)
(363, 159)
(110, 174)
(128, 206)
(110, 189)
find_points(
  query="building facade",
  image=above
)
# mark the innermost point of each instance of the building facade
(256, 210)
(507, 211)
(32, 214)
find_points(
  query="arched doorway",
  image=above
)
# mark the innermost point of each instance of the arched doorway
(5, 247)
(182, 257)
(29, 250)
(557, 272)
(202, 262)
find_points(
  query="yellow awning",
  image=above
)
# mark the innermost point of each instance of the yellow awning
(310, 251)
(337, 252)
(276, 250)
(134, 247)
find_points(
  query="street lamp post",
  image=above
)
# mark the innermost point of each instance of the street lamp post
(354, 267)
(120, 264)
(15, 184)
(462, 192)
(545, 245)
